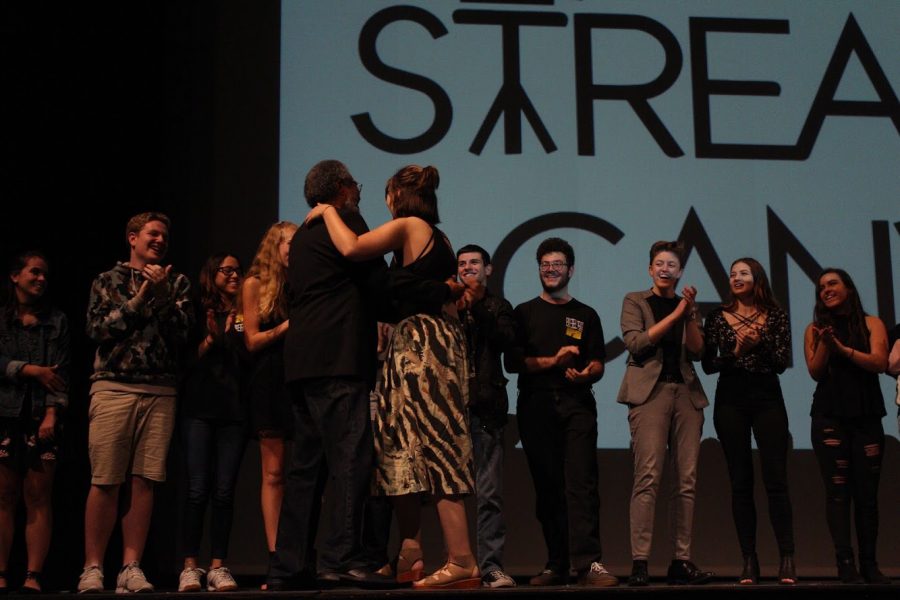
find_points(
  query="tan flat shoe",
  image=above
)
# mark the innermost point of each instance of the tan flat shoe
(451, 576)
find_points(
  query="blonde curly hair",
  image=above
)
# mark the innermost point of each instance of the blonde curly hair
(271, 273)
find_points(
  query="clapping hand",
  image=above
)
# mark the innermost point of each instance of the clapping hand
(746, 340)
(576, 376)
(473, 292)
(156, 282)
(566, 355)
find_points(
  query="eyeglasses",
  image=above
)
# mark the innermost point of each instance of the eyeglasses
(228, 271)
(556, 265)
(354, 183)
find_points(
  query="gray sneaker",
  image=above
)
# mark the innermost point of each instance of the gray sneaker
(189, 580)
(597, 576)
(220, 580)
(131, 579)
(91, 580)
(497, 579)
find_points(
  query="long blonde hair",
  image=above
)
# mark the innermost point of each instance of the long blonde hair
(271, 273)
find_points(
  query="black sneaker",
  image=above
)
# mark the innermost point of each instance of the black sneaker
(684, 572)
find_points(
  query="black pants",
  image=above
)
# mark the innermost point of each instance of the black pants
(559, 436)
(332, 427)
(752, 404)
(849, 452)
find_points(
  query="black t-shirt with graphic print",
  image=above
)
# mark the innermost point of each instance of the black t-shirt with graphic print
(544, 328)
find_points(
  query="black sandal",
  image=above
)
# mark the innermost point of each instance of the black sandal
(35, 576)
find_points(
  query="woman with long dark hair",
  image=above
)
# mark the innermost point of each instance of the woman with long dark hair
(748, 342)
(845, 351)
(213, 416)
(264, 304)
(422, 441)
(34, 362)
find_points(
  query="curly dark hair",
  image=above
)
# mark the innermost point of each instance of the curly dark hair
(324, 181)
(555, 244)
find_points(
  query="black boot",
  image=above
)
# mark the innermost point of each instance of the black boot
(787, 572)
(750, 573)
(847, 572)
(872, 574)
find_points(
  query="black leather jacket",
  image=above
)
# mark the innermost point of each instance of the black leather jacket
(490, 327)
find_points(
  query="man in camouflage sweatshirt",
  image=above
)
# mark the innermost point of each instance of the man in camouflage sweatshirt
(139, 312)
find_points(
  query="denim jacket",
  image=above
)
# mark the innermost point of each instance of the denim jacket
(51, 335)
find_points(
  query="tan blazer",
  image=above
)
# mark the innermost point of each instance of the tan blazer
(645, 360)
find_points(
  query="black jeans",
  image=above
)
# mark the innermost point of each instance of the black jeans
(332, 442)
(849, 451)
(752, 403)
(212, 453)
(559, 435)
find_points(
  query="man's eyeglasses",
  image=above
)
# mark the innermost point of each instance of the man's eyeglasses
(228, 271)
(556, 265)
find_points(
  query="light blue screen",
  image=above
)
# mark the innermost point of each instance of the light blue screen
(768, 181)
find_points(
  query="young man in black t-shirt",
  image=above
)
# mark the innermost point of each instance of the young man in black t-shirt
(559, 355)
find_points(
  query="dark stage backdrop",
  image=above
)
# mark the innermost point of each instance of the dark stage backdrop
(119, 108)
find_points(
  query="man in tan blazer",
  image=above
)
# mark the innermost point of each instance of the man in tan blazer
(665, 409)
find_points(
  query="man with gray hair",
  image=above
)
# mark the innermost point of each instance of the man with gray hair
(329, 368)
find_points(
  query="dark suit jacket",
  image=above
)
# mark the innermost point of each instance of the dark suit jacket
(645, 360)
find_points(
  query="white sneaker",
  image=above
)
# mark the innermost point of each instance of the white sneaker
(189, 580)
(131, 579)
(220, 580)
(91, 580)
(497, 579)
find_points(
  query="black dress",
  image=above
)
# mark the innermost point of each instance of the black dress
(422, 440)
(270, 405)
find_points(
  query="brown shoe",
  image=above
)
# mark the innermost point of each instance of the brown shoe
(597, 576)
(410, 567)
(547, 577)
(451, 577)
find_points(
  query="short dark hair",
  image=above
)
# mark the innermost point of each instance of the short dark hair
(324, 181)
(485, 256)
(414, 193)
(137, 222)
(676, 248)
(555, 244)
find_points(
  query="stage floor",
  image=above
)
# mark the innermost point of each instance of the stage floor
(812, 589)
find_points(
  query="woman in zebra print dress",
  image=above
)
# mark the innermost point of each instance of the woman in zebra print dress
(422, 437)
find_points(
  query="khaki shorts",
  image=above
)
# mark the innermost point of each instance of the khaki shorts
(129, 434)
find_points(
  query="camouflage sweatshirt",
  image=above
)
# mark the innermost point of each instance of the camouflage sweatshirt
(137, 343)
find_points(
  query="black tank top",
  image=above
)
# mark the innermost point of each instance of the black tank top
(436, 262)
(847, 390)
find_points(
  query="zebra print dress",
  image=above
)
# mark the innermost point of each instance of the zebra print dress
(421, 427)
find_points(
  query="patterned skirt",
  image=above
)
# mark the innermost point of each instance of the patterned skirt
(422, 440)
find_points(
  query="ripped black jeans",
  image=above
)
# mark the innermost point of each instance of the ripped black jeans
(849, 451)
